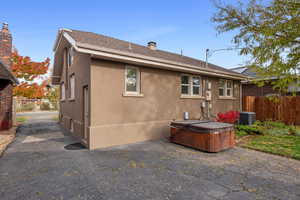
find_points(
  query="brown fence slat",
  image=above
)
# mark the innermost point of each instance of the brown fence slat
(285, 109)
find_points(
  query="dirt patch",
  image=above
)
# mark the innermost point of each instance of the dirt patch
(6, 137)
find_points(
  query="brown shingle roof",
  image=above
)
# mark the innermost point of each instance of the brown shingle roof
(121, 45)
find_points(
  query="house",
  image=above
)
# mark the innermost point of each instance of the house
(115, 92)
(249, 88)
(7, 80)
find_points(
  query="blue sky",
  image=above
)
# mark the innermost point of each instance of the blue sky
(174, 25)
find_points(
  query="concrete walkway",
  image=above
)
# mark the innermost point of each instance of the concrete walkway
(36, 166)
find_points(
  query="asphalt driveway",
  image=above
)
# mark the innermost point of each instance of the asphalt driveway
(36, 166)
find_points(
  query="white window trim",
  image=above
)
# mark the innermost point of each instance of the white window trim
(72, 89)
(63, 91)
(72, 125)
(190, 87)
(225, 89)
(138, 81)
(200, 86)
(69, 55)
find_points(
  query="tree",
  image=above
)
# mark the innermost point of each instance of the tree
(28, 72)
(268, 32)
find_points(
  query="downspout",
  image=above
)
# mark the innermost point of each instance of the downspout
(241, 96)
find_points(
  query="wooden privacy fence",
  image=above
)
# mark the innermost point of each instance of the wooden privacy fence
(285, 109)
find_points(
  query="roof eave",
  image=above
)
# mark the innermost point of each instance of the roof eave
(11, 77)
(111, 54)
(106, 53)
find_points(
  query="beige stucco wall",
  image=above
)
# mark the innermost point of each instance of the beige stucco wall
(73, 109)
(116, 119)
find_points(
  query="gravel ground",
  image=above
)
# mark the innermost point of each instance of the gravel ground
(36, 166)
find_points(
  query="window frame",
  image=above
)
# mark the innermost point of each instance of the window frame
(62, 91)
(72, 89)
(69, 55)
(138, 81)
(191, 86)
(225, 88)
(71, 126)
(185, 84)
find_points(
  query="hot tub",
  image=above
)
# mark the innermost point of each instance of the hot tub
(203, 135)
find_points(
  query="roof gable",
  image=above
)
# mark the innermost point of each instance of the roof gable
(113, 43)
(119, 50)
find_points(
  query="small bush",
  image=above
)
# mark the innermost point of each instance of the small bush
(277, 131)
(274, 124)
(276, 128)
(239, 133)
(45, 106)
(228, 117)
(253, 129)
(294, 131)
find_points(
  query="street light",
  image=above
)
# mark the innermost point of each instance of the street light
(209, 53)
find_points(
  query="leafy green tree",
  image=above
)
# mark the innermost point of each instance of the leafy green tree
(269, 33)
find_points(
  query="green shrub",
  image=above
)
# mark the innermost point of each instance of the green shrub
(253, 129)
(277, 131)
(294, 130)
(274, 124)
(45, 106)
(267, 128)
(239, 133)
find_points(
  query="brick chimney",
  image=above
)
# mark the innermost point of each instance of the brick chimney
(5, 44)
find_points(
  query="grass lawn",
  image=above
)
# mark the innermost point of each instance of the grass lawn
(270, 136)
(240, 134)
(21, 119)
(285, 145)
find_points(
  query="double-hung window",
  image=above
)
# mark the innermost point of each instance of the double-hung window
(70, 53)
(196, 86)
(63, 91)
(191, 85)
(72, 86)
(132, 80)
(71, 125)
(225, 88)
(185, 85)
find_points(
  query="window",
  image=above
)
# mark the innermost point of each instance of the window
(191, 85)
(196, 85)
(229, 88)
(185, 84)
(72, 86)
(63, 91)
(71, 125)
(69, 53)
(132, 80)
(225, 88)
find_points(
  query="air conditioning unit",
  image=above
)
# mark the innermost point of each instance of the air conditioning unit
(247, 118)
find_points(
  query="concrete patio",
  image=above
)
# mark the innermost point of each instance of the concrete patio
(36, 166)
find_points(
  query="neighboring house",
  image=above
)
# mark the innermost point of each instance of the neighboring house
(249, 88)
(6, 79)
(115, 92)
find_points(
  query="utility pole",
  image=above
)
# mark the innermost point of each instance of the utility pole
(209, 53)
(206, 57)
